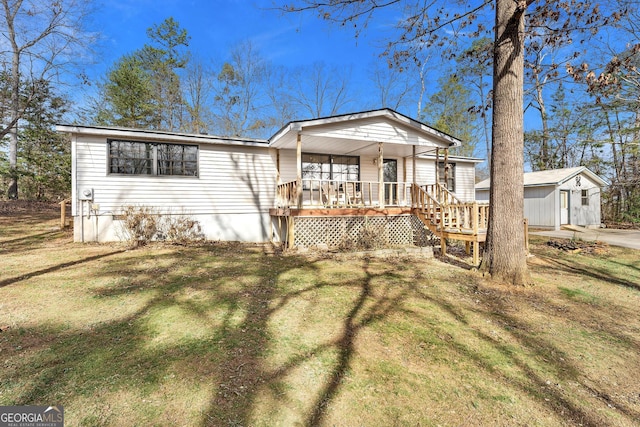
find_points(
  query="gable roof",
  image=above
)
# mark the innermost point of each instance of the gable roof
(550, 177)
(144, 134)
(361, 132)
(345, 133)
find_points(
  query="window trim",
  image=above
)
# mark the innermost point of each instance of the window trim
(154, 158)
(584, 197)
(331, 163)
(452, 176)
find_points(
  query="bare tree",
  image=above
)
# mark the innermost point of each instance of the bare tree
(197, 96)
(438, 23)
(41, 38)
(393, 86)
(320, 90)
(239, 100)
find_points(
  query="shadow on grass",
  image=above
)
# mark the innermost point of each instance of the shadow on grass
(29, 275)
(591, 271)
(117, 355)
(229, 359)
(534, 383)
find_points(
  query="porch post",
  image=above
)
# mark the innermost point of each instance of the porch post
(437, 161)
(414, 173)
(380, 175)
(446, 168)
(278, 178)
(413, 165)
(299, 170)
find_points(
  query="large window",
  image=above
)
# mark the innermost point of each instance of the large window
(450, 182)
(330, 167)
(149, 158)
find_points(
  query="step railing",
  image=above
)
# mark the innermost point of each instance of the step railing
(441, 194)
(469, 218)
(456, 217)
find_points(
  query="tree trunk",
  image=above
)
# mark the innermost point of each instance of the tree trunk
(545, 161)
(505, 254)
(12, 191)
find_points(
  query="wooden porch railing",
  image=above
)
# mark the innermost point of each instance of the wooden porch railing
(342, 194)
(439, 209)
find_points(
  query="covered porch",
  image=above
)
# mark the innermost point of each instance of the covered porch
(376, 167)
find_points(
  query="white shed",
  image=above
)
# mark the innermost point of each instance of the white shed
(558, 197)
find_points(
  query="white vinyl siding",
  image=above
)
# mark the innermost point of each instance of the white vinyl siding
(232, 179)
(541, 206)
(370, 129)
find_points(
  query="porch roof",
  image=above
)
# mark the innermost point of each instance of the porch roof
(360, 133)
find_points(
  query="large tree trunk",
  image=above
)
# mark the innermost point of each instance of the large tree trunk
(505, 255)
(12, 191)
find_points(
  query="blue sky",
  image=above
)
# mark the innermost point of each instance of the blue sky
(216, 26)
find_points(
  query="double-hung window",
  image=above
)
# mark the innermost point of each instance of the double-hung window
(450, 182)
(152, 158)
(584, 197)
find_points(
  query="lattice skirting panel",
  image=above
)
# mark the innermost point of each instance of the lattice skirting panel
(401, 230)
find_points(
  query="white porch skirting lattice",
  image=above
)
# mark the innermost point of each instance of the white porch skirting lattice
(337, 231)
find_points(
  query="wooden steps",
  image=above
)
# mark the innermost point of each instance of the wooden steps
(451, 219)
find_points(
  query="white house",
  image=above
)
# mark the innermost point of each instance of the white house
(346, 167)
(558, 197)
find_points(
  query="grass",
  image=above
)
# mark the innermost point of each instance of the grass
(232, 335)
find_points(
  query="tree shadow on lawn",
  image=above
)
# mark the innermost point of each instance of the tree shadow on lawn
(64, 364)
(245, 375)
(591, 271)
(545, 354)
(61, 366)
(57, 267)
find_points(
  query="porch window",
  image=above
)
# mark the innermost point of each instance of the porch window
(451, 176)
(330, 167)
(150, 158)
(585, 197)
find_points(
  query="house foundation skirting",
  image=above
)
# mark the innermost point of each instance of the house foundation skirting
(354, 231)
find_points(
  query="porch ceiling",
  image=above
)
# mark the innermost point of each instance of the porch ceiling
(353, 147)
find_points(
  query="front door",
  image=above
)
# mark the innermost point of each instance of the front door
(390, 171)
(564, 207)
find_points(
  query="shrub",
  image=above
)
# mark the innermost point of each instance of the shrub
(181, 229)
(142, 224)
(139, 224)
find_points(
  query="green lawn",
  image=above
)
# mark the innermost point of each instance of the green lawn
(233, 335)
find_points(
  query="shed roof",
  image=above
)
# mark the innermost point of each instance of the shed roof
(550, 177)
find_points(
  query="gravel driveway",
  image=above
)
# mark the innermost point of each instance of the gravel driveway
(612, 236)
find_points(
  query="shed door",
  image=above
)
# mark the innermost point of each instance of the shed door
(564, 207)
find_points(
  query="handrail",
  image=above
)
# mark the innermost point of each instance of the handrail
(466, 217)
(341, 194)
(462, 217)
(441, 193)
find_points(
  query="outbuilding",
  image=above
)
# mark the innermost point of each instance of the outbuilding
(557, 197)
